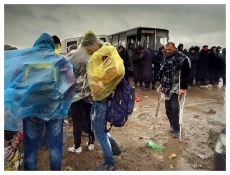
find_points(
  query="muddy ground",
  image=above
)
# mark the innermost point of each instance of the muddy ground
(139, 129)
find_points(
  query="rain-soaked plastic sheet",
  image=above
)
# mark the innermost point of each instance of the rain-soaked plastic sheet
(37, 82)
(105, 70)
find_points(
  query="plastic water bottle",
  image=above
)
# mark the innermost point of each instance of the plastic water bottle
(156, 147)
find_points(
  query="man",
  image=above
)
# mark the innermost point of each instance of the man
(147, 70)
(194, 59)
(82, 102)
(57, 43)
(202, 73)
(222, 65)
(125, 56)
(175, 68)
(180, 47)
(137, 67)
(157, 59)
(8, 135)
(212, 64)
(101, 89)
(39, 88)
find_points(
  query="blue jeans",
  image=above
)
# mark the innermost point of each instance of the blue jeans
(98, 121)
(32, 133)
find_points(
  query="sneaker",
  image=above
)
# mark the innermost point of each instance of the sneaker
(116, 150)
(105, 167)
(90, 146)
(176, 133)
(171, 129)
(73, 150)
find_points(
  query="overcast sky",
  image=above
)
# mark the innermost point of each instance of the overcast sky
(188, 24)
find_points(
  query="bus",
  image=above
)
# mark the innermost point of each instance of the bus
(76, 40)
(147, 37)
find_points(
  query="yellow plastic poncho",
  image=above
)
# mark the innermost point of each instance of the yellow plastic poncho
(105, 70)
(58, 49)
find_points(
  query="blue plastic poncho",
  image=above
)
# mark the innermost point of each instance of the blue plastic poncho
(37, 82)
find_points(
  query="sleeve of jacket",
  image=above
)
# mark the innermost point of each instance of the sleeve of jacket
(185, 75)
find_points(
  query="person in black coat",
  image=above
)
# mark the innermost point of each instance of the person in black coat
(212, 63)
(194, 60)
(125, 56)
(222, 65)
(157, 59)
(137, 67)
(202, 71)
(180, 47)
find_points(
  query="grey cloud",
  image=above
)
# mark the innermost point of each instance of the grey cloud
(186, 23)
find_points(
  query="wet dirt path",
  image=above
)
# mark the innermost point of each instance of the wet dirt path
(139, 129)
(198, 120)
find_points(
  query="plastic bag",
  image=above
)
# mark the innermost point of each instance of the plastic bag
(105, 70)
(37, 82)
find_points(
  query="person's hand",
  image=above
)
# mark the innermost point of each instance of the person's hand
(182, 92)
(158, 89)
(141, 55)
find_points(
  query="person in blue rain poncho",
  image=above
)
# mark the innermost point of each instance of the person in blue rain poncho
(38, 90)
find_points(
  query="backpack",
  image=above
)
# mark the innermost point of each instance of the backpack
(121, 104)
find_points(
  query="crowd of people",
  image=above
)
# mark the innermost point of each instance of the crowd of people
(207, 65)
(174, 69)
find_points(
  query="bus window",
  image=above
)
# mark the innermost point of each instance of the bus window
(162, 38)
(69, 44)
(103, 39)
(122, 39)
(131, 43)
(115, 40)
(148, 41)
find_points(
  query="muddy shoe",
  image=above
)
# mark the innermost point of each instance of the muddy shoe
(115, 148)
(73, 150)
(105, 167)
(176, 133)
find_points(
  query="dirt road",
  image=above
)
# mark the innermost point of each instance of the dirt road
(132, 138)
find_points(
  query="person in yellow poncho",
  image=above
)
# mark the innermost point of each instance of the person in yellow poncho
(105, 69)
(57, 43)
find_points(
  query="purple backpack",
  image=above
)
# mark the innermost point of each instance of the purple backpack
(122, 104)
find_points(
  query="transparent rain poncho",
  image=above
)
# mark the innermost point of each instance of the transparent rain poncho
(105, 69)
(37, 83)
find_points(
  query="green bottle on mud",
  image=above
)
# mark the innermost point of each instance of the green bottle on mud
(156, 147)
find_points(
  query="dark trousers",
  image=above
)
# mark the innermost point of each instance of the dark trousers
(79, 110)
(172, 111)
(147, 84)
